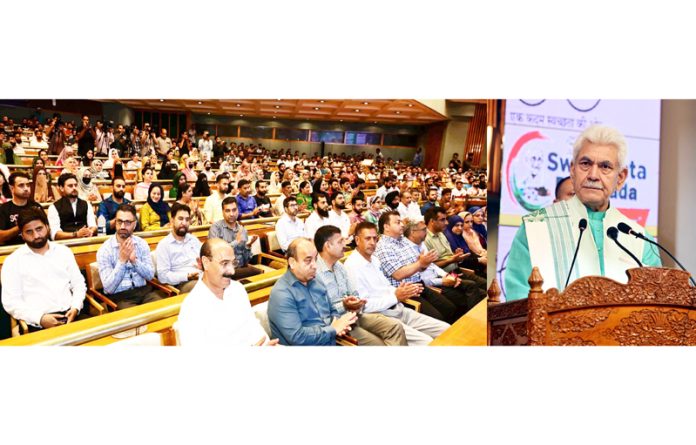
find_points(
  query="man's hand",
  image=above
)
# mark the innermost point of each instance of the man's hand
(353, 303)
(483, 260)
(192, 276)
(51, 320)
(84, 232)
(252, 240)
(262, 342)
(342, 325)
(239, 236)
(449, 281)
(125, 250)
(70, 315)
(256, 210)
(408, 290)
(425, 259)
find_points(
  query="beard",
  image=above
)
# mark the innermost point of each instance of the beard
(340, 206)
(324, 213)
(181, 231)
(37, 243)
(119, 194)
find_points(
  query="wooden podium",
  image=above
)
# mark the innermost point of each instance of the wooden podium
(656, 307)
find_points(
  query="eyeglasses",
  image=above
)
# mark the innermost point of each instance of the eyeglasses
(605, 167)
(120, 222)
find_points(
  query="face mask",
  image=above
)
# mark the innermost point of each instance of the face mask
(190, 165)
(208, 167)
(86, 180)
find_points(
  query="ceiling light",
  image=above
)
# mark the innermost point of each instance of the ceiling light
(316, 108)
(277, 106)
(161, 100)
(410, 105)
(321, 101)
(366, 103)
(341, 120)
(274, 117)
(208, 113)
(375, 122)
(241, 115)
(200, 103)
(357, 111)
(238, 105)
(398, 112)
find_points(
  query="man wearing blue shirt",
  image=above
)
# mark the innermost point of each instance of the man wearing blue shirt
(299, 310)
(108, 206)
(245, 202)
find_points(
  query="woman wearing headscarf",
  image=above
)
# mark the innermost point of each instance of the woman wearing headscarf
(97, 170)
(177, 182)
(41, 187)
(113, 158)
(454, 232)
(201, 188)
(188, 169)
(478, 226)
(185, 196)
(67, 152)
(86, 189)
(375, 211)
(154, 215)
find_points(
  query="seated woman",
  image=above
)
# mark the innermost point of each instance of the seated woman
(185, 196)
(113, 158)
(154, 215)
(67, 152)
(201, 188)
(188, 169)
(71, 166)
(479, 226)
(459, 234)
(97, 170)
(87, 160)
(42, 189)
(142, 189)
(375, 211)
(86, 189)
(304, 198)
(177, 182)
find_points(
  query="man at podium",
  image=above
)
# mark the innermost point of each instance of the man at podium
(548, 237)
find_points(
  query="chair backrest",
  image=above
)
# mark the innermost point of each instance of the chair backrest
(272, 241)
(656, 307)
(261, 313)
(93, 277)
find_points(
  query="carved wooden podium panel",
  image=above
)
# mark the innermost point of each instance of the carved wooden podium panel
(656, 307)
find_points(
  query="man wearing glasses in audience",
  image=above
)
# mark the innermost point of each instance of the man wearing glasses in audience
(125, 263)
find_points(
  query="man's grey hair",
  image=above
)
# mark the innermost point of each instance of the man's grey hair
(602, 135)
(408, 228)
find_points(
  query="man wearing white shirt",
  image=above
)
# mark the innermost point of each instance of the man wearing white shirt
(320, 215)
(177, 254)
(289, 226)
(387, 187)
(41, 282)
(70, 216)
(459, 191)
(337, 216)
(205, 144)
(286, 191)
(217, 311)
(408, 209)
(364, 270)
(38, 141)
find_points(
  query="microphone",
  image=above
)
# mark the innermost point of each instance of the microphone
(625, 228)
(613, 233)
(582, 225)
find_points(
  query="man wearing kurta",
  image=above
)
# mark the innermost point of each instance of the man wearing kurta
(547, 238)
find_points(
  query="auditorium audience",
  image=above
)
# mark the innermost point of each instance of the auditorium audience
(125, 264)
(41, 282)
(371, 329)
(299, 309)
(70, 216)
(213, 203)
(364, 270)
(177, 254)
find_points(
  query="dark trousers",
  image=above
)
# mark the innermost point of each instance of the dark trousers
(438, 306)
(136, 296)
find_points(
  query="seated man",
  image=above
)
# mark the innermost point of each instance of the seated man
(320, 216)
(299, 310)
(451, 285)
(107, 208)
(9, 211)
(435, 239)
(125, 264)
(371, 329)
(41, 283)
(289, 226)
(217, 311)
(177, 254)
(212, 207)
(245, 202)
(262, 200)
(365, 271)
(234, 233)
(70, 216)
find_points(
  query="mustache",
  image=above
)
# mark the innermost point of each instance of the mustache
(597, 185)
(228, 275)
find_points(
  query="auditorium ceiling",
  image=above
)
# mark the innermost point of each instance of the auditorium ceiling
(392, 111)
